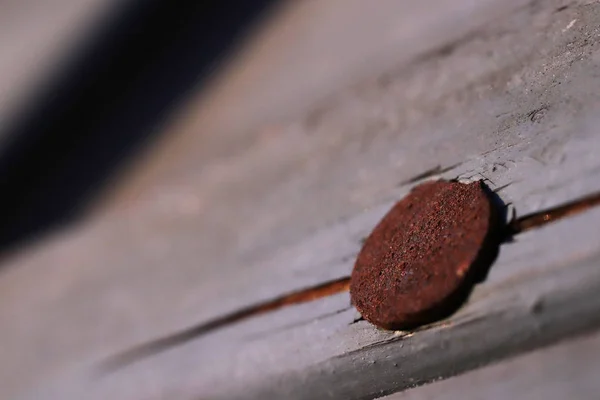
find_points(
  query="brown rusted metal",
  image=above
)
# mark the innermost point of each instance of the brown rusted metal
(420, 259)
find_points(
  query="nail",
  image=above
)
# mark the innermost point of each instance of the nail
(420, 261)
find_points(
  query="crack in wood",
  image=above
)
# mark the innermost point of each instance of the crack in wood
(437, 170)
(553, 214)
(499, 189)
(299, 324)
(514, 227)
(179, 338)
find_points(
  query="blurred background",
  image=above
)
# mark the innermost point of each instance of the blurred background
(105, 100)
(86, 87)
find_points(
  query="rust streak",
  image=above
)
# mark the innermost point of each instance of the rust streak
(553, 214)
(168, 342)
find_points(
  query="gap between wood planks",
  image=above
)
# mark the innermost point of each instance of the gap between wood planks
(514, 227)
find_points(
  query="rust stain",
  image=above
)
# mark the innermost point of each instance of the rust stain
(168, 342)
(553, 214)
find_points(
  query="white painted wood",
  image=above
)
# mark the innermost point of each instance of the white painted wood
(290, 211)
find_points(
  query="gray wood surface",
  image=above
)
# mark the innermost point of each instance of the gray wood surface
(200, 233)
(548, 373)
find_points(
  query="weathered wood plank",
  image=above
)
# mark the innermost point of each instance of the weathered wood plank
(523, 304)
(565, 371)
(315, 351)
(290, 212)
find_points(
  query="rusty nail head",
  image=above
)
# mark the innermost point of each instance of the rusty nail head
(421, 257)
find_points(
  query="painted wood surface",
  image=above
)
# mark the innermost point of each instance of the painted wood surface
(514, 100)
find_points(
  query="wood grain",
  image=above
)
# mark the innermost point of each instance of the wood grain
(549, 373)
(514, 101)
